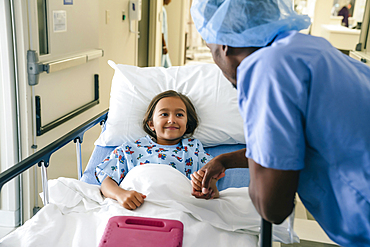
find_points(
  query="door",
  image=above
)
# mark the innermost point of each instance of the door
(64, 45)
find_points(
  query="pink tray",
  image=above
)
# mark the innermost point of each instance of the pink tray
(132, 231)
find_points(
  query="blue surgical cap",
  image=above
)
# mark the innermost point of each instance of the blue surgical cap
(245, 23)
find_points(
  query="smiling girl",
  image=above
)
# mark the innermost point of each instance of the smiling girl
(169, 121)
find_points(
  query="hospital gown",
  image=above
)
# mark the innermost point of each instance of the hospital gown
(306, 106)
(187, 156)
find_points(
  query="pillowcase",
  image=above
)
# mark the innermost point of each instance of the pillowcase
(213, 96)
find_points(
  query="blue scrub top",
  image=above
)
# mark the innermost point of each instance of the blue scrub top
(306, 106)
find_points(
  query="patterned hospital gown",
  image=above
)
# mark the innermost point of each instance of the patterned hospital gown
(187, 156)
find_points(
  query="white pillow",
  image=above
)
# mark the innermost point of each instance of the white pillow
(211, 93)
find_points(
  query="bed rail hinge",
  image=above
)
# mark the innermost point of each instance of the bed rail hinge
(35, 210)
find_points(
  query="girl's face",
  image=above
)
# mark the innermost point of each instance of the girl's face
(169, 120)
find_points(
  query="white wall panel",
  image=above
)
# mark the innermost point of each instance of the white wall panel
(9, 207)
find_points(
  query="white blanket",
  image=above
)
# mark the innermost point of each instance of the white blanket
(78, 213)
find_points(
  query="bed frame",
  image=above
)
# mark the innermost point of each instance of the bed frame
(42, 157)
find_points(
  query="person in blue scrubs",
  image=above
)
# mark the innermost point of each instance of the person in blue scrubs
(166, 61)
(306, 112)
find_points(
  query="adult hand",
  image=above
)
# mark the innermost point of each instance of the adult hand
(196, 182)
(130, 199)
(202, 178)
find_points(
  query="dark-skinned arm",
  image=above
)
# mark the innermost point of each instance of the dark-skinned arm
(272, 191)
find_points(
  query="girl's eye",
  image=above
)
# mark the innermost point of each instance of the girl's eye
(164, 114)
(179, 114)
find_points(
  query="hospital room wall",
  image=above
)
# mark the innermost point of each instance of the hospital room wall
(177, 13)
(321, 16)
(119, 45)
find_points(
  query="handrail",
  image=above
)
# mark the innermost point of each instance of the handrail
(40, 130)
(45, 153)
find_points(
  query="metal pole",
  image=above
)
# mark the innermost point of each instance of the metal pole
(266, 234)
(79, 159)
(45, 187)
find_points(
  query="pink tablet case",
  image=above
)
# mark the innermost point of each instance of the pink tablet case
(138, 231)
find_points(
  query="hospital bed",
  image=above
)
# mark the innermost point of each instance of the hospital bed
(75, 213)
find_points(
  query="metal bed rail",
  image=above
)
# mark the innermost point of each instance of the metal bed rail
(42, 156)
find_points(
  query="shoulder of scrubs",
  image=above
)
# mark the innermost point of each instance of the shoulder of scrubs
(272, 92)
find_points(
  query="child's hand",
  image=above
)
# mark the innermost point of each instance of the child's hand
(196, 182)
(130, 199)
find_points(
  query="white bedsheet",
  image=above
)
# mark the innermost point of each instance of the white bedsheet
(77, 213)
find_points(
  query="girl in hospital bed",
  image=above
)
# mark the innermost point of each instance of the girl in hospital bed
(169, 121)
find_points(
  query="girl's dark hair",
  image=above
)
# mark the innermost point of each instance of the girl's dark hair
(190, 109)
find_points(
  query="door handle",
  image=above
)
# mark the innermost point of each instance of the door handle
(34, 68)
